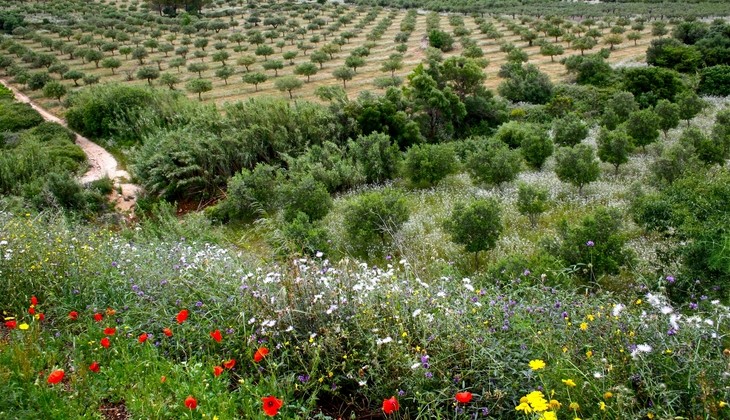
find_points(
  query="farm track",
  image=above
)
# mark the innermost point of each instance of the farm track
(101, 163)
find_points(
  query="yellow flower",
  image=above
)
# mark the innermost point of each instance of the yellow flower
(565, 349)
(589, 354)
(549, 415)
(537, 364)
(722, 404)
(607, 395)
(602, 406)
(524, 407)
(650, 415)
(583, 326)
(638, 301)
(537, 401)
(23, 326)
(569, 382)
(574, 406)
(555, 404)
(590, 317)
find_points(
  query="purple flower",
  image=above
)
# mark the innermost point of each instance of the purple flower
(589, 243)
(429, 375)
(693, 306)
(114, 264)
(401, 393)
(670, 279)
(198, 304)
(564, 315)
(303, 378)
(672, 331)
(526, 272)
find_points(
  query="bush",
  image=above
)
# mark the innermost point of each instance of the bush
(569, 130)
(614, 146)
(715, 81)
(378, 157)
(38, 80)
(494, 163)
(427, 164)
(250, 194)
(596, 246)
(476, 225)
(525, 83)
(649, 84)
(577, 165)
(536, 147)
(301, 236)
(441, 40)
(16, 116)
(303, 196)
(532, 201)
(372, 219)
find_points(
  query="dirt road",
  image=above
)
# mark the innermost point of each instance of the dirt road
(101, 162)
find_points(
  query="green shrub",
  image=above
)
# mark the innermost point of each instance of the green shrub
(577, 165)
(715, 81)
(372, 219)
(494, 163)
(16, 116)
(250, 194)
(569, 130)
(427, 164)
(596, 246)
(532, 201)
(305, 195)
(476, 225)
(378, 157)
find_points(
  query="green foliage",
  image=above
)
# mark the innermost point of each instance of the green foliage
(569, 130)
(37, 81)
(525, 83)
(707, 150)
(476, 225)
(199, 86)
(148, 72)
(106, 110)
(536, 146)
(493, 163)
(649, 84)
(532, 201)
(715, 81)
(690, 104)
(596, 246)
(378, 158)
(643, 127)
(288, 84)
(615, 146)
(328, 164)
(250, 194)
(577, 165)
(673, 54)
(16, 116)
(55, 90)
(440, 40)
(255, 78)
(427, 164)
(304, 196)
(674, 162)
(592, 69)
(372, 219)
(668, 114)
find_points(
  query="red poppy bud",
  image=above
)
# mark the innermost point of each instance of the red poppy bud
(143, 337)
(167, 332)
(94, 367)
(41, 316)
(217, 370)
(110, 330)
(105, 342)
(260, 354)
(463, 397)
(182, 316)
(11, 324)
(31, 310)
(98, 317)
(73, 315)
(191, 403)
(56, 376)
(33, 300)
(390, 405)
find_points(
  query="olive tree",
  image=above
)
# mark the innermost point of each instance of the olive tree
(476, 225)
(577, 165)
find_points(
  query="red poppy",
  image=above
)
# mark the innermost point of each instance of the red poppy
(56, 376)
(33, 300)
(229, 364)
(110, 311)
(217, 370)
(272, 405)
(31, 310)
(94, 367)
(11, 324)
(41, 316)
(98, 317)
(143, 337)
(105, 342)
(216, 335)
(182, 316)
(390, 405)
(73, 315)
(163, 378)
(191, 403)
(463, 397)
(167, 332)
(260, 354)
(110, 330)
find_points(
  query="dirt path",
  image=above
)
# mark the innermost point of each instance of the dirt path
(101, 162)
